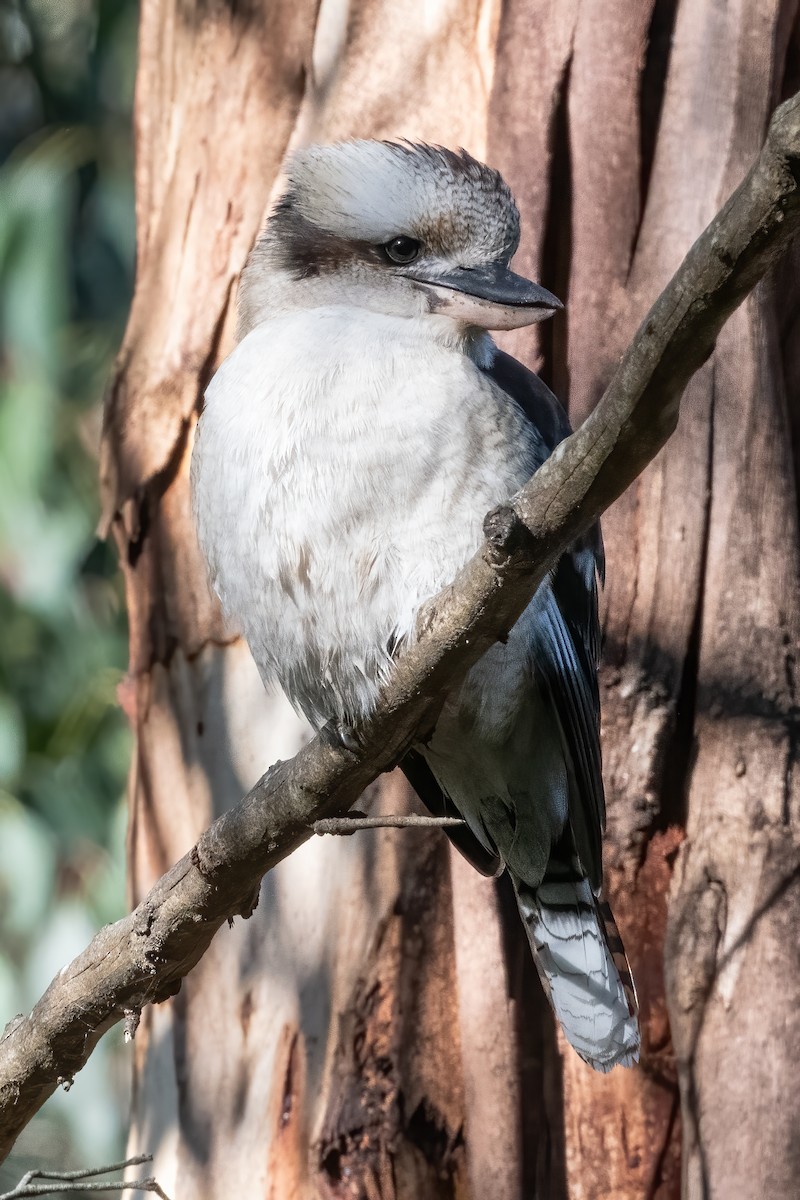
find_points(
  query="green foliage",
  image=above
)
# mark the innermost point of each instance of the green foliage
(66, 268)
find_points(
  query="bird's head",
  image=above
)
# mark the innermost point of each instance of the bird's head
(394, 227)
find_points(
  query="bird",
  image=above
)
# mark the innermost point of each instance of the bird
(348, 450)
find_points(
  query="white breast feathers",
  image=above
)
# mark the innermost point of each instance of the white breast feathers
(343, 466)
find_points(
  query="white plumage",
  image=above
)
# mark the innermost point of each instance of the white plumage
(349, 449)
(372, 190)
(344, 493)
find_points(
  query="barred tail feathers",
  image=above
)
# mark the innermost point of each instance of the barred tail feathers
(581, 961)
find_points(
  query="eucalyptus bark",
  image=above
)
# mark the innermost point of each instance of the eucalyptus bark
(363, 1035)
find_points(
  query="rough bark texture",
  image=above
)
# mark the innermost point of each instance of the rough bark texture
(322, 1092)
(657, 108)
(337, 1044)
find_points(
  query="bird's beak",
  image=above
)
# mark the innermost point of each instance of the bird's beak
(492, 297)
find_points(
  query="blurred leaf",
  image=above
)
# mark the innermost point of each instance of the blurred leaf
(12, 740)
(27, 869)
(66, 272)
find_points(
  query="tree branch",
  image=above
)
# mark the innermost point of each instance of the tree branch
(352, 823)
(62, 1182)
(144, 957)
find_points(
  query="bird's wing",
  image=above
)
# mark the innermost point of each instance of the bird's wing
(439, 804)
(567, 634)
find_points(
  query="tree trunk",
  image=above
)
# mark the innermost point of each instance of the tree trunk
(376, 1030)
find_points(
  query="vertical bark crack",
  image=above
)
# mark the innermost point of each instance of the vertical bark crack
(677, 766)
(660, 1179)
(557, 244)
(653, 81)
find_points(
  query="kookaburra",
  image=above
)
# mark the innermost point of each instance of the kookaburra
(348, 452)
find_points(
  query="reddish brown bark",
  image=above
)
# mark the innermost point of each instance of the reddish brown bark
(338, 1044)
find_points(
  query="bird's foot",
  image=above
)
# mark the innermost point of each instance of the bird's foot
(341, 736)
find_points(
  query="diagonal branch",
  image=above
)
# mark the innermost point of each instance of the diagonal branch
(144, 957)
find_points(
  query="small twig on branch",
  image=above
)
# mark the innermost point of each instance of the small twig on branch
(63, 1182)
(143, 958)
(346, 825)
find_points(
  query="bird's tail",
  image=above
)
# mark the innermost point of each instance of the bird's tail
(582, 965)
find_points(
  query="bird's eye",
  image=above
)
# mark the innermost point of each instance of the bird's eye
(401, 250)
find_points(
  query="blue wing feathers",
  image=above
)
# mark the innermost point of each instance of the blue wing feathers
(566, 646)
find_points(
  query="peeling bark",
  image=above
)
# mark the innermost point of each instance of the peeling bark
(277, 78)
(393, 1124)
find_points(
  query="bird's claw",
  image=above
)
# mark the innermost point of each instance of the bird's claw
(341, 735)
